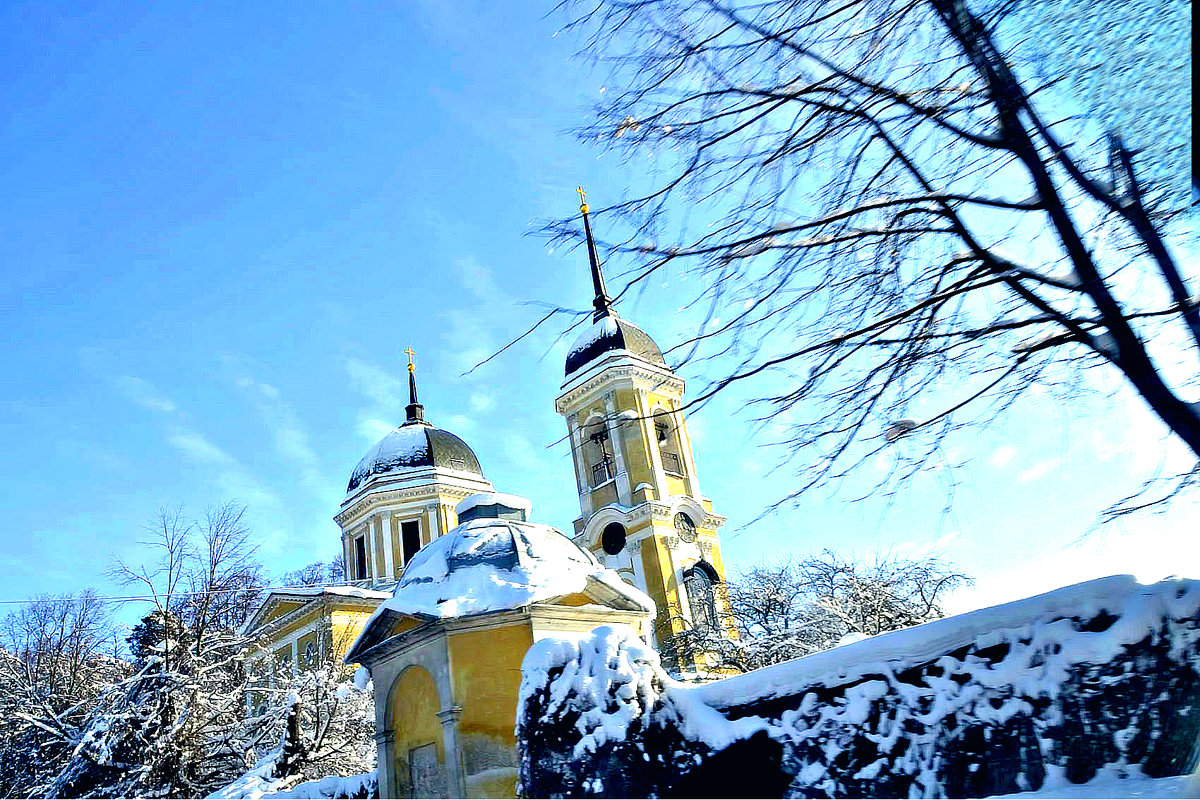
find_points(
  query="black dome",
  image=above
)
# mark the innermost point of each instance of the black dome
(415, 445)
(611, 333)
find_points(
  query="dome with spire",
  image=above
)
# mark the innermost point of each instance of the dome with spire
(608, 333)
(415, 446)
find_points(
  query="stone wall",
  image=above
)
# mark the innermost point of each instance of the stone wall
(1104, 675)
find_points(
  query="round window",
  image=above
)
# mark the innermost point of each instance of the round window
(685, 527)
(613, 538)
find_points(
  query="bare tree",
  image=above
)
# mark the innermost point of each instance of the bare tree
(893, 228)
(56, 655)
(799, 607)
(226, 582)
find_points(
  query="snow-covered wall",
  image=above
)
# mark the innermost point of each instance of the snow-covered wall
(1102, 675)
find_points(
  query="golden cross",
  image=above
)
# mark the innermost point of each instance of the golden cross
(410, 353)
(583, 206)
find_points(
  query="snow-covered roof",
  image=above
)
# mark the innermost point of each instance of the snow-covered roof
(414, 445)
(488, 565)
(302, 594)
(608, 334)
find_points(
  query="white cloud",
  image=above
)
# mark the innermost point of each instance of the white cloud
(1003, 456)
(1041, 469)
(481, 403)
(197, 448)
(386, 389)
(144, 394)
(373, 429)
(290, 437)
(460, 423)
(234, 481)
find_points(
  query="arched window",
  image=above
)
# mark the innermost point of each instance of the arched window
(698, 581)
(668, 443)
(598, 453)
(613, 538)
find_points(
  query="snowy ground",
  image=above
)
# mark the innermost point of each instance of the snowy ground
(1108, 784)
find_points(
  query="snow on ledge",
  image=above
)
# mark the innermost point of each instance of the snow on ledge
(1136, 606)
(491, 499)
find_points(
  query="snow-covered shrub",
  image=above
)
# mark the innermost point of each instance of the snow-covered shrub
(1102, 676)
(595, 719)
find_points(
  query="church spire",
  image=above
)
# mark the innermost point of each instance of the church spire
(602, 303)
(415, 411)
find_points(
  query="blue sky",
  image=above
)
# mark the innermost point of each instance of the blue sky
(219, 230)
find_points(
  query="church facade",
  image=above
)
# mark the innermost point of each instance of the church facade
(644, 551)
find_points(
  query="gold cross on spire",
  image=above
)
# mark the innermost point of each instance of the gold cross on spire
(583, 206)
(410, 353)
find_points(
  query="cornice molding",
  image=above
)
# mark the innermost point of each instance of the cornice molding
(642, 375)
(429, 492)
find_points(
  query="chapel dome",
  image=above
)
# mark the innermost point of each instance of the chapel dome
(412, 447)
(488, 564)
(608, 334)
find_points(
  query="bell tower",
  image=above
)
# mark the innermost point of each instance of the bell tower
(642, 512)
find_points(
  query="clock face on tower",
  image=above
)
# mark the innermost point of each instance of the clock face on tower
(685, 527)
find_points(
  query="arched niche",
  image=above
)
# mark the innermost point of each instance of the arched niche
(419, 748)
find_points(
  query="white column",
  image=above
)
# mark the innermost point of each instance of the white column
(454, 766)
(385, 742)
(390, 568)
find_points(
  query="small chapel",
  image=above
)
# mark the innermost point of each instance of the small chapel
(448, 582)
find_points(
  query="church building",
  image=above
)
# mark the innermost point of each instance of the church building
(448, 583)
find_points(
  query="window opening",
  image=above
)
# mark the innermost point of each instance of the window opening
(668, 445)
(360, 558)
(701, 598)
(600, 456)
(410, 539)
(613, 538)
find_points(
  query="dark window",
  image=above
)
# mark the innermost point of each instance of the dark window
(360, 559)
(613, 538)
(699, 586)
(410, 539)
(599, 456)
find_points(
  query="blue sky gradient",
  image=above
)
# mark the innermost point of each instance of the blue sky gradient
(220, 228)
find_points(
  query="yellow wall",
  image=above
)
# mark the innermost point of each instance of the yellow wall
(345, 626)
(413, 715)
(486, 671)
